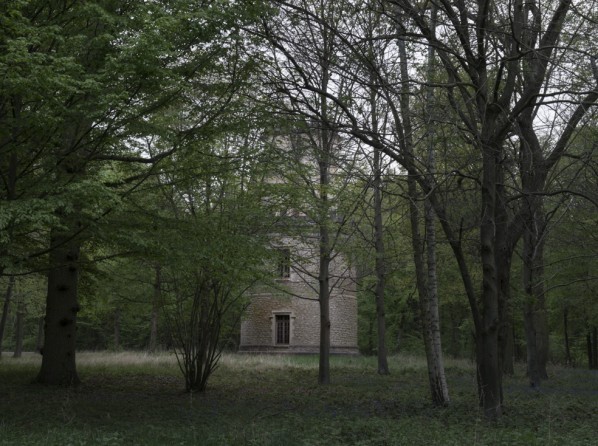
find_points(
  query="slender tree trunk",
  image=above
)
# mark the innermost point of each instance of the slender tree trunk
(19, 329)
(533, 371)
(590, 350)
(324, 270)
(153, 340)
(425, 271)
(58, 361)
(116, 321)
(380, 269)
(6, 308)
(595, 348)
(324, 156)
(436, 372)
(566, 330)
(379, 247)
(324, 300)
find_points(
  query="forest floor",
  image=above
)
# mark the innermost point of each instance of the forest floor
(137, 399)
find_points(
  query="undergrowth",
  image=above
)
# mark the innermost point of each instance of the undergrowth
(136, 398)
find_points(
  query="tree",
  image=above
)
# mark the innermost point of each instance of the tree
(493, 77)
(5, 308)
(83, 83)
(488, 102)
(306, 58)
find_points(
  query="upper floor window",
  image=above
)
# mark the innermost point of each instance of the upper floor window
(284, 263)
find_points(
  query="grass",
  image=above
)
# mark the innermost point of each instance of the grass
(135, 398)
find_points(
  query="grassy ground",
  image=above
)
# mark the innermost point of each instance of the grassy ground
(132, 398)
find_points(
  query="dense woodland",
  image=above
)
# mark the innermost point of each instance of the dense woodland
(147, 149)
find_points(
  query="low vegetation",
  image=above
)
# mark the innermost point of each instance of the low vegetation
(135, 398)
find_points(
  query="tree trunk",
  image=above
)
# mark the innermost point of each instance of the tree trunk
(153, 340)
(380, 257)
(324, 283)
(590, 350)
(566, 330)
(39, 344)
(58, 361)
(508, 365)
(425, 273)
(487, 351)
(437, 377)
(324, 155)
(533, 371)
(324, 300)
(536, 325)
(19, 329)
(6, 308)
(116, 320)
(595, 348)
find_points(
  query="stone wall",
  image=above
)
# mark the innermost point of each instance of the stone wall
(296, 296)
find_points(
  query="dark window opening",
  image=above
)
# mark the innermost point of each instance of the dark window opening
(284, 263)
(283, 328)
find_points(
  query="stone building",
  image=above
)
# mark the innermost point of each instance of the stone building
(285, 317)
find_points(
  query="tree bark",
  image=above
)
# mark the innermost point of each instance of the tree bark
(39, 344)
(153, 340)
(379, 242)
(19, 329)
(58, 361)
(595, 348)
(508, 364)
(324, 268)
(425, 272)
(324, 155)
(536, 325)
(590, 350)
(116, 321)
(566, 331)
(6, 308)
(487, 351)
(437, 377)
(380, 267)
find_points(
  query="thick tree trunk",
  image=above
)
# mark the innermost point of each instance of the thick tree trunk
(536, 325)
(39, 344)
(533, 371)
(6, 308)
(19, 329)
(487, 351)
(58, 361)
(508, 356)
